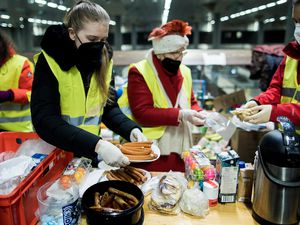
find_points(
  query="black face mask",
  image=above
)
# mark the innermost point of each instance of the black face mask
(90, 53)
(171, 65)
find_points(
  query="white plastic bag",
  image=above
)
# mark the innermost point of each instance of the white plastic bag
(194, 202)
(220, 125)
(12, 171)
(32, 146)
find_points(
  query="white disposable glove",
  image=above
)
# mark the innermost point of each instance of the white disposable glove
(263, 115)
(249, 104)
(194, 117)
(137, 136)
(111, 154)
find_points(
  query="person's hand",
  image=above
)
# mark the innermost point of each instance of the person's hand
(111, 154)
(263, 115)
(137, 136)
(249, 104)
(192, 116)
(6, 96)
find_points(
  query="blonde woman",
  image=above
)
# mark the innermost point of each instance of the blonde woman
(72, 91)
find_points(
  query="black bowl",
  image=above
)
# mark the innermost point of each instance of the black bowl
(131, 216)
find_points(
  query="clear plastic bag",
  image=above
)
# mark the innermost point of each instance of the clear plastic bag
(194, 202)
(33, 146)
(220, 125)
(166, 195)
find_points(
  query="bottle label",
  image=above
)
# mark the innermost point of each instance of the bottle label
(71, 213)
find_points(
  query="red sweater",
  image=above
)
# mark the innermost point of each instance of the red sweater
(273, 94)
(141, 100)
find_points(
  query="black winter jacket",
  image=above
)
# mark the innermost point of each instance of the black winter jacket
(45, 99)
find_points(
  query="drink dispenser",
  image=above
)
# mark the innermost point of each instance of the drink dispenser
(276, 198)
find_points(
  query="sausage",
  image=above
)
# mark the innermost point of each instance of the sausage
(97, 199)
(121, 202)
(138, 144)
(123, 194)
(137, 172)
(142, 157)
(105, 209)
(135, 151)
(110, 176)
(116, 174)
(126, 176)
(135, 177)
(106, 199)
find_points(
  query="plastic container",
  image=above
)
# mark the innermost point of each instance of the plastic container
(20, 206)
(131, 216)
(64, 208)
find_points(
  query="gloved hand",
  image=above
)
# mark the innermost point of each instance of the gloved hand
(6, 96)
(263, 115)
(137, 136)
(249, 104)
(194, 117)
(111, 154)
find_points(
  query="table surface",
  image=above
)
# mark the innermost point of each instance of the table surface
(223, 214)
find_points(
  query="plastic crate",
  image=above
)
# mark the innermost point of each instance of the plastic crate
(20, 206)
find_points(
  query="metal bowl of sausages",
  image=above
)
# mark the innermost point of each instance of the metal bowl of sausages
(113, 202)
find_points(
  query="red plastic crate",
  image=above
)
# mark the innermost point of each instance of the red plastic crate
(20, 206)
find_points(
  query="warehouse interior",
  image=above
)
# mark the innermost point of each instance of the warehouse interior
(228, 24)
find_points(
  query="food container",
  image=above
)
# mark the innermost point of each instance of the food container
(131, 216)
(58, 206)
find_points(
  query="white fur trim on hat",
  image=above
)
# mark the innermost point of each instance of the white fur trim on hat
(169, 43)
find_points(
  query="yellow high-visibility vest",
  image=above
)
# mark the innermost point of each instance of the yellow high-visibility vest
(159, 97)
(76, 108)
(14, 116)
(290, 88)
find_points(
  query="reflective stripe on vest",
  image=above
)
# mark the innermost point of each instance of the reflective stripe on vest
(77, 108)
(159, 97)
(290, 88)
(14, 116)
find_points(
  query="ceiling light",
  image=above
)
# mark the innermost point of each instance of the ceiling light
(165, 15)
(282, 18)
(21, 18)
(4, 16)
(62, 7)
(281, 2)
(42, 2)
(262, 7)
(269, 5)
(112, 22)
(168, 4)
(224, 18)
(52, 5)
(255, 9)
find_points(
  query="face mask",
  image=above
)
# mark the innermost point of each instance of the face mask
(297, 32)
(90, 53)
(171, 65)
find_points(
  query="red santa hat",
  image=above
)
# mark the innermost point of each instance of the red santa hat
(170, 37)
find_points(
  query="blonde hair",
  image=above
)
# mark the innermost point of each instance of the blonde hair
(82, 12)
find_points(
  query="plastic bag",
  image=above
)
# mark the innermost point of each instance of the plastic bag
(167, 193)
(12, 172)
(194, 202)
(32, 146)
(220, 125)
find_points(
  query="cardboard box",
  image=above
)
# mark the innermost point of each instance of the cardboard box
(245, 143)
(227, 168)
(245, 183)
(225, 103)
